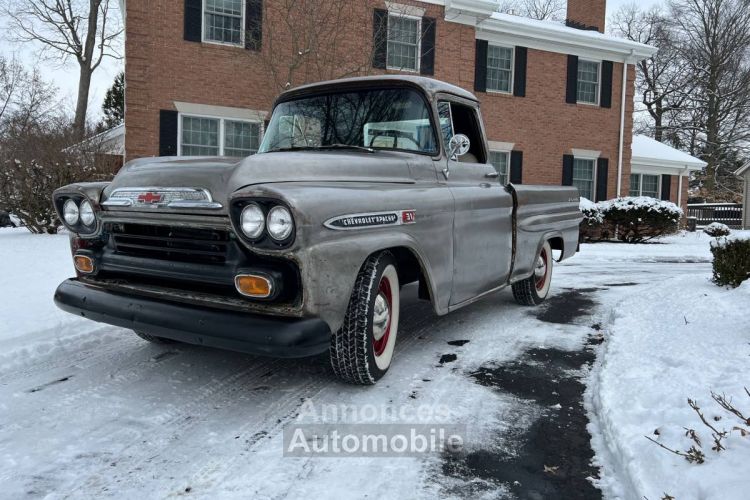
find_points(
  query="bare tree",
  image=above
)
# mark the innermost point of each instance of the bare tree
(535, 9)
(714, 43)
(35, 154)
(11, 81)
(313, 40)
(86, 30)
(663, 81)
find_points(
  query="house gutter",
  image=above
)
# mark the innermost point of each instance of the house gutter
(622, 122)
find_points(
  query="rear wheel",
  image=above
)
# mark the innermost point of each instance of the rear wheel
(153, 339)
(534, 290)
(362, 349)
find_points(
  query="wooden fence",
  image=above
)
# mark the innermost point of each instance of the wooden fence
(726, 213)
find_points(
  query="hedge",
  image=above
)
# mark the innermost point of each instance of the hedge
(731, 259)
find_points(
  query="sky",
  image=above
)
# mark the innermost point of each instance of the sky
(66, 78)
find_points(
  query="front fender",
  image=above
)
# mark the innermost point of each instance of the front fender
(330, 269)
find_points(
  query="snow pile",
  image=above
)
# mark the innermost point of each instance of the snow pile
(641, 203)
(678, 339)
(31, 267)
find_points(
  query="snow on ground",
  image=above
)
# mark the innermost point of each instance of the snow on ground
(678, 338)
(88, 410)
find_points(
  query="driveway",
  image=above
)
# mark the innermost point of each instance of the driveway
(88, 410)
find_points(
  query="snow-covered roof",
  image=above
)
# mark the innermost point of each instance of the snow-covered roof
(648, 152)
(743, 169)
(557, 37)
(111, 141)
(551, 36)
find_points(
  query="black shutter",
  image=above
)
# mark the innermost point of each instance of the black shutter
(427, 66)
(253, 24)
(516, 167)
(519, 82)
(379, 38)
(567, 174)
(480, 66)
(193, 20)
(606, 97)
(168, 132)
(666, 187)
(571, 94)
(602, 173)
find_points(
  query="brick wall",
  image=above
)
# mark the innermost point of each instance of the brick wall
(162, 68)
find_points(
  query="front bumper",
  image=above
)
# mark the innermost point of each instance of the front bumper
(224, 329)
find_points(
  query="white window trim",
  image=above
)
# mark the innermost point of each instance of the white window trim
(225, 44)
(586, 154)
(501, 146)
(508, 153)
(419, 42)
(640, 183)
(598, 93)
(222, 126)
(594, 172)
(512, 70)
(401, 9)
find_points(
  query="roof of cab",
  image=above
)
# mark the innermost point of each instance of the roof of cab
(428, 85)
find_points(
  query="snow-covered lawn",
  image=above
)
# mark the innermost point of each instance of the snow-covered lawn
(88, 410)
(678, 338)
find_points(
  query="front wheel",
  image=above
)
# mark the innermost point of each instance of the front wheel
(533, 290)
(362, 349)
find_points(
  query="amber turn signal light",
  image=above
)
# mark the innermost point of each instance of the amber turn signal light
(84, 264)
(251, 285)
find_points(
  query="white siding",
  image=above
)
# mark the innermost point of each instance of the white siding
(746, 200)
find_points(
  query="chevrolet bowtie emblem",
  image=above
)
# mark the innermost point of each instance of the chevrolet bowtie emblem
(150, 198)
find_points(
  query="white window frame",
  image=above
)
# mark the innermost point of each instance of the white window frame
(204, 25)
(598, 92)
(593, 173)
(512, 69)
(507, 154)
(222, 126)
(419, 42)
(640, 184)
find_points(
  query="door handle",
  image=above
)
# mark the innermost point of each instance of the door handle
(492, 175)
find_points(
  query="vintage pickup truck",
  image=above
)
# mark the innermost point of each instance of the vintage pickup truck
(360, 186)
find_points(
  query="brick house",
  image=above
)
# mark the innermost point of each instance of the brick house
(557, 99)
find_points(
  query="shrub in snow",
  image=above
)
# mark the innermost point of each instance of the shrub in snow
(641, 218)
(717, 229)
(592, 227)
(731, 259)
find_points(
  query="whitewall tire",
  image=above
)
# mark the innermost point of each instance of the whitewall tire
(362, 349)
(534, 290)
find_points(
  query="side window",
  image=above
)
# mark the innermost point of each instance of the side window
(466, 121)
(446, 121)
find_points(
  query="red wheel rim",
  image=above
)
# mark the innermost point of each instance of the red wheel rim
(378, 346)
(540, 282)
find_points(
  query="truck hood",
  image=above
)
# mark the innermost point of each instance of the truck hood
(222, 176)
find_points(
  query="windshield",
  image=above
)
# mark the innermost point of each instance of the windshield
(373, 119)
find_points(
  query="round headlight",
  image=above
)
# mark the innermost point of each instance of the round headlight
(70, 213)
(88, 217)
(252, 221)
(280, 224)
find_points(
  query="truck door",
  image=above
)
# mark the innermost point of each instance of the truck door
(482, 233)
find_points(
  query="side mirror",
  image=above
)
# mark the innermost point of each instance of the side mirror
(458, 146)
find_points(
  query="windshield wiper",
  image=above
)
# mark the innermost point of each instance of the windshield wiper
(327, 146)
(347, 146)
